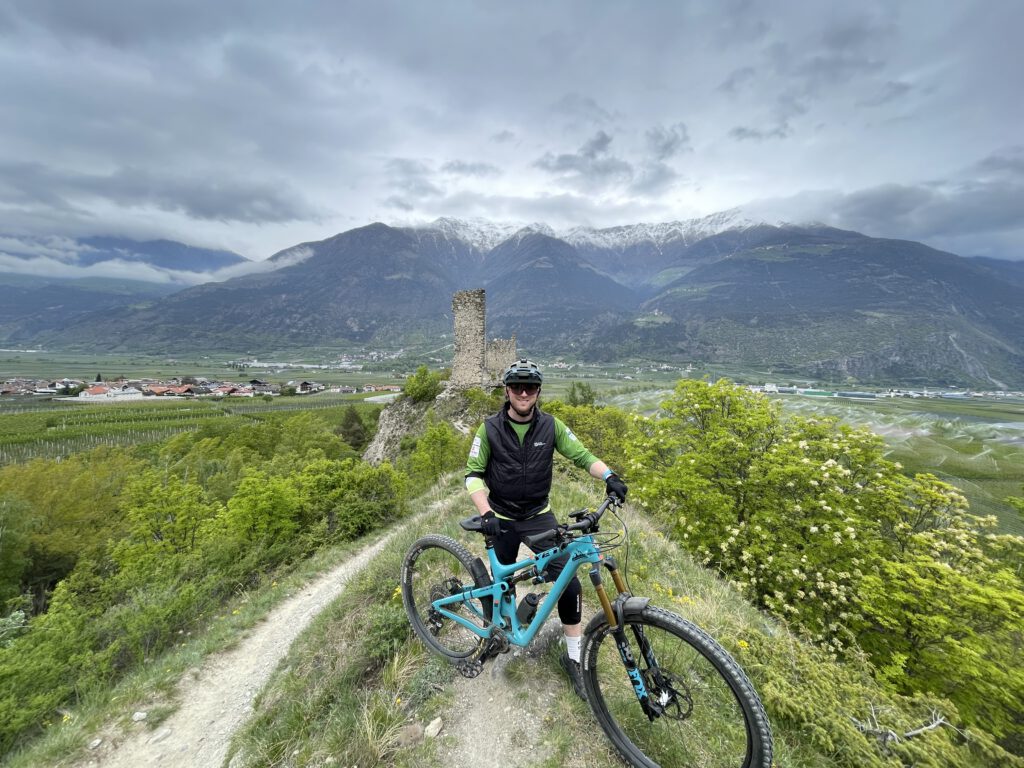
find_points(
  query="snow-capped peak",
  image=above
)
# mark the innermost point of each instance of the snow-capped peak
(485, 235)
(689, 231)
(480, 233)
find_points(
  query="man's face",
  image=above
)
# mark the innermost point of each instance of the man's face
(522, 397)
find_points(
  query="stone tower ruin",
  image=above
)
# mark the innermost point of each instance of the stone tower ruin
(477, 363)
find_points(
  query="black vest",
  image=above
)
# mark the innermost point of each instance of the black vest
(518, 477)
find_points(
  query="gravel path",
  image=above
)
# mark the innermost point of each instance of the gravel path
(218, 698)
(488, 728)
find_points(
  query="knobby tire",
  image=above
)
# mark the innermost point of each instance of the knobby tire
(437, 566)
(714, 720)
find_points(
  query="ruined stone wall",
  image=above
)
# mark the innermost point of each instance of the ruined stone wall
(500, 353)
(477, 362)
(468, 310)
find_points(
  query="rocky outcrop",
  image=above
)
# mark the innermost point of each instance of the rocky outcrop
(404, 417)
(400, 418)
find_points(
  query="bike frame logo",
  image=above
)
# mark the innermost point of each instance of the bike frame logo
(634, 674)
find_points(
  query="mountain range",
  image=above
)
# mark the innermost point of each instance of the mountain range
(810, 301)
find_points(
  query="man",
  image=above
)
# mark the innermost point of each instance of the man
(508, 476)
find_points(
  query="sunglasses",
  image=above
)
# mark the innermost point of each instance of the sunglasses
(528, 389)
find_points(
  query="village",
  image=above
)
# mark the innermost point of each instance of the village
(123, 389)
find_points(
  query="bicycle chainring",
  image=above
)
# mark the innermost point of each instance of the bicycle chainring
(488, 649)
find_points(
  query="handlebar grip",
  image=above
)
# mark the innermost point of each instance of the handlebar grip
(541, 539)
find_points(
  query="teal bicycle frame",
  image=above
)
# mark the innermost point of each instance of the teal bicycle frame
(502, 591)
(469, 605)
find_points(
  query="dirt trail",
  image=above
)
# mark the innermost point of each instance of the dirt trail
(218, 698)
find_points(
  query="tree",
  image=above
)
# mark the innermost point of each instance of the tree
(440, 449)
(581, 393)
(944, 611)
(15, 523)
(810, 520)
(164, 516)
(604, 430)
(352, 429)
(263, 508)
(74, 506)
(424, 385)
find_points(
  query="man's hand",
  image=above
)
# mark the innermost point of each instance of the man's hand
(489, 525)
(614, 486)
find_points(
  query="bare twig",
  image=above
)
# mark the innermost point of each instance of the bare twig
(886, 736)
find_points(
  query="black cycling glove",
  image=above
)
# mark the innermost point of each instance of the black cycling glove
(489, 525)
(614, 486)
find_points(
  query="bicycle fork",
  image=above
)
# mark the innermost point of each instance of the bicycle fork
(614, 613)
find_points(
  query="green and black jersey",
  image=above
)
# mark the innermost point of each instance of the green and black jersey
(513, 461)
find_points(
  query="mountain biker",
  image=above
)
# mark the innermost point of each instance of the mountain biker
(508, 476)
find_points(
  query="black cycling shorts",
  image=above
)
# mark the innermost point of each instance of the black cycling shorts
(506, 548)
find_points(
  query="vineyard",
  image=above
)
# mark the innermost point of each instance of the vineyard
(50, 429)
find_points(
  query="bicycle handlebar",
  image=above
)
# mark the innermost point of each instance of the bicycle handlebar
(586, 523)
(591, 519)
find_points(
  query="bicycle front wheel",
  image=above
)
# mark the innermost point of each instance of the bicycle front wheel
(710, 715)
(436, 567)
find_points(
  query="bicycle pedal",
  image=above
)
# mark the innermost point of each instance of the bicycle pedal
(470, 669)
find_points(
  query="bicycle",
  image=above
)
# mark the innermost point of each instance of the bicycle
(663, 670)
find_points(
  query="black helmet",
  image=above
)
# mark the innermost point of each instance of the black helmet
(522, 372)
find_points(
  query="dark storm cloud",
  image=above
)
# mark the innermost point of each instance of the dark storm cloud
(1006, 162)
(665, 143)
(843, 50)
(796, 74)
(590, 167)
(737, 80)
(932, 213)
(746, 133)
(272, 123)
(970, 214)
(889, 92)
(578, 109)
(209, 198)
(413, 181)
(984, 198)
(653, 178)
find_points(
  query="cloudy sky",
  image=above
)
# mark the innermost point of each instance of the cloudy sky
(254, 126)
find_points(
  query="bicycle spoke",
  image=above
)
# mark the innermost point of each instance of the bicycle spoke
(704, 722)
(434, 569)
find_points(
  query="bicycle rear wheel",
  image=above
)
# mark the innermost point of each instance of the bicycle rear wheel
(435, 567)
(711, 717)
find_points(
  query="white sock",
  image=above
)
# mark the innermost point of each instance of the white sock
(572, 647)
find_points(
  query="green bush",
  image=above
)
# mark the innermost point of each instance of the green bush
(438, 450)
(424, 385)
(171, 552)
(810, 520)
(605, 431)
